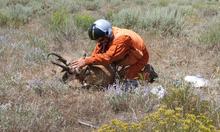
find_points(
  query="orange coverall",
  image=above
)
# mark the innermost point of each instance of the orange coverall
(126, 49)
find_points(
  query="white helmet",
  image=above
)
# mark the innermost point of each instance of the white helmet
(100, 28)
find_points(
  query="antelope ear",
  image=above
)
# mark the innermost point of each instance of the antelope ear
(87, 72)
(84, 54)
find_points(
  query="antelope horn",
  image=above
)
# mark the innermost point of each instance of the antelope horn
(65, 68)
(60, 58)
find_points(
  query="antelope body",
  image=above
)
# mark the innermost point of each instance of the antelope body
(90, 75)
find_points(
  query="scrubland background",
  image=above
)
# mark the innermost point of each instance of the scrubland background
(183, 37)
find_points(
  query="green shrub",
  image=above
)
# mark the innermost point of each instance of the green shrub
(3, 3)
(161, 2)
(164, 20)
(120, 126)
(127, 18)
(183, 96)
(174, 120)
(109, 15)
(59, 19)
(15, 15)
(62, 25)
(69, 5)
(92, 5)
(164, 2)
(20, 14)
(140, 2)
(163, 120)
(37, 6)
(115, 2)
(3, 19)
(14, 2)
(211, 35)
(199, 5)
(83, 21)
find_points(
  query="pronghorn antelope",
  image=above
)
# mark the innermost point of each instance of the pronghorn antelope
(91, 75)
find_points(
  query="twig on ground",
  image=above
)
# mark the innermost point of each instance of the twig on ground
(87, 124)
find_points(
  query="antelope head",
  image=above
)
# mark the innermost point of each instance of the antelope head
(61, 62)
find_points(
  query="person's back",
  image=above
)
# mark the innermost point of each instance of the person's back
(137, 40)
(136, 47)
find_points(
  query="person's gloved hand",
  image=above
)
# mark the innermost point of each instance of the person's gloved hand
(78, 64)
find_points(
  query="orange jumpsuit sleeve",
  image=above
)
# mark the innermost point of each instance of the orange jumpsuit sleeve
(96, 50)
(117, 50)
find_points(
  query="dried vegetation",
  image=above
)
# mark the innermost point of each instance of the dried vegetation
(183, 37)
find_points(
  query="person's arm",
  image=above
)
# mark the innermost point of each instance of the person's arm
(96, 50)
(118, 49)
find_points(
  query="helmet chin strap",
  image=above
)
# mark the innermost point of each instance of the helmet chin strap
(105, 43)
(103, 46)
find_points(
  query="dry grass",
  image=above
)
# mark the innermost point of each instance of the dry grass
(32, 97)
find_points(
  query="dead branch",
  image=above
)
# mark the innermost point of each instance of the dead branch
(87, 124)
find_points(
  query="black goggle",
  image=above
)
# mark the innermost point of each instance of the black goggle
(95, 33)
